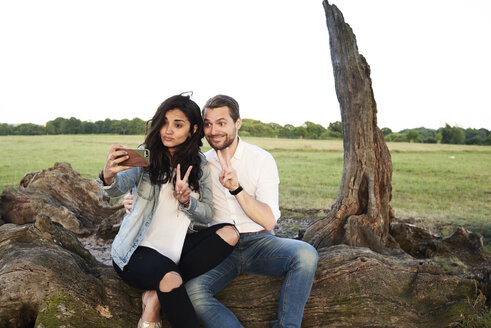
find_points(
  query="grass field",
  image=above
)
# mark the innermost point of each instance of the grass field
(439, 186)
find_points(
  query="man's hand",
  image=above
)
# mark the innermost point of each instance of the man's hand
(128, 202)
(182, 190)
(228, 176)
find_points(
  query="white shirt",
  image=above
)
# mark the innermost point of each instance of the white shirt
(169, 225)
(257, 174)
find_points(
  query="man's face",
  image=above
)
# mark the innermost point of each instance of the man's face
(220, 129)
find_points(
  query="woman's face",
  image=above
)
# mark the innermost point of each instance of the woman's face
(176, 129)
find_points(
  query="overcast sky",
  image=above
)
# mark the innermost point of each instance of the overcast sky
(430, 60)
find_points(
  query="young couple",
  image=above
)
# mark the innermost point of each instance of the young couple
(233, 191)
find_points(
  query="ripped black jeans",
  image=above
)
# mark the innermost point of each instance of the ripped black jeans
(202, 251)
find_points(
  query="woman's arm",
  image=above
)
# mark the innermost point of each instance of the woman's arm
(123, 181)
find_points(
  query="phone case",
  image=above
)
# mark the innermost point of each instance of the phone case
(138, 157)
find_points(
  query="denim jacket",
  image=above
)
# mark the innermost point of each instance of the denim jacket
(135, 224)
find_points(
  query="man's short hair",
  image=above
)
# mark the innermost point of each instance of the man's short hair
(221, 101)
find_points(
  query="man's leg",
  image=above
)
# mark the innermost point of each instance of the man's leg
(201, 291)
(297, 260)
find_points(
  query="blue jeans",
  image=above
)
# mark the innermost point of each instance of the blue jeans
(265, 255)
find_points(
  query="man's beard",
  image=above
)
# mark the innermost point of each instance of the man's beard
(226, 142)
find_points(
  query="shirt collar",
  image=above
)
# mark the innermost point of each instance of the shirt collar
(240, 148)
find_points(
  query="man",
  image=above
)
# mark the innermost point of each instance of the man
(245, 193)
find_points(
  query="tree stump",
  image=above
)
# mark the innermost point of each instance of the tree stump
(362, 213)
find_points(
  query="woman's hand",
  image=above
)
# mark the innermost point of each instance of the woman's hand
(116, 155)
(182, 191)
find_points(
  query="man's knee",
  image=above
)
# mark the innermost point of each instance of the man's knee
(170, 281)
(229, 234)
(306, 255)
(198, 294)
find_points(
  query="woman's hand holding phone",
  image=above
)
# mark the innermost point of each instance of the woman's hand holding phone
(116, 155)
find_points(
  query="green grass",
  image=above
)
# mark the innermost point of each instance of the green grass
(479, 317)
(435, 185)
(428, 184)
(86, 154)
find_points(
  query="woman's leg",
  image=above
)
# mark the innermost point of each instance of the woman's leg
(205, 249)
(175, 303)
(149, 270)
(151, 306)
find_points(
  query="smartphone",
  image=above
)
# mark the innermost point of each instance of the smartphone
(137, 157)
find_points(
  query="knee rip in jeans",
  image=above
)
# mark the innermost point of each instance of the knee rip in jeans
(170, 281)
(229, 234)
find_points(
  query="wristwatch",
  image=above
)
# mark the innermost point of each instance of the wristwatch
(236, 191)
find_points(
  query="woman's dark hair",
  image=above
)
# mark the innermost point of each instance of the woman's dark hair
(162, 163)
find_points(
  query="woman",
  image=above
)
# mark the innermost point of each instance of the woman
(152, 250)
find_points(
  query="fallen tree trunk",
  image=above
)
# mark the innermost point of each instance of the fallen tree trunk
(356, 287)
(48, 279)
(60, 193)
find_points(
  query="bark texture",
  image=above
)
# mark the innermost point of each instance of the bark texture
(357, 287)
(362, 213)
(48, 279)
(61, 194)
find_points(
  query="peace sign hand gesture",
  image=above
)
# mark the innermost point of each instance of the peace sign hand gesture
(228, 176)
(182, 191)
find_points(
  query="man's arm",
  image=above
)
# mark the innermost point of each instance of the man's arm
(257, 211)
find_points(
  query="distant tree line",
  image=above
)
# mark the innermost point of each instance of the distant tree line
(73, 125)
(447, 135)
(308, 130)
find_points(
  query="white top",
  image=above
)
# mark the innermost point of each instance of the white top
(257, 174)
(169, 225)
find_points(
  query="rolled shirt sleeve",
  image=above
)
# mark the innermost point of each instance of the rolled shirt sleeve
(267, 190)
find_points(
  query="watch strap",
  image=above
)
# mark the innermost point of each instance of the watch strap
(236, 191)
